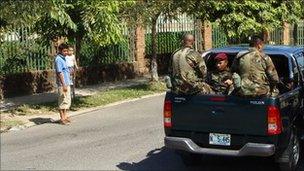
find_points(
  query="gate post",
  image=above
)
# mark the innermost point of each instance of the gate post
(286, 33)
(207, 35)
(140, 63)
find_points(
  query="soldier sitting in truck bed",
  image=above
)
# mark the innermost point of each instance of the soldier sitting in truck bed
(221, 79)
(188, 70)
(257, 72)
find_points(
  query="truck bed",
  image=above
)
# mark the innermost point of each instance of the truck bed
(220, 114)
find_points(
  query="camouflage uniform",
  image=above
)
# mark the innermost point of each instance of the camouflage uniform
(257, 74)
(216, 80)
(188, 72)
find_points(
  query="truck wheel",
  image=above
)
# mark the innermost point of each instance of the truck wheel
(291, 156)
(190, 159)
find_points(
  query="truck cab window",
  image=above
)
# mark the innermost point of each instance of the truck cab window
(281, 64)
(300, 60)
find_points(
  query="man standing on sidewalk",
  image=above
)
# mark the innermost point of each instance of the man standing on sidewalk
(63, 82)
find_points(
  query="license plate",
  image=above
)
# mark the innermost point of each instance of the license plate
(219, 139)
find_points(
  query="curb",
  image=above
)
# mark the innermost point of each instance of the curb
(84, 111)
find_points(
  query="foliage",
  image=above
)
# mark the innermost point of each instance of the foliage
(257, 17)
(21, 12)
(96, 20)
(243, 18)
(92, 54)
(219, 37)
(302, 5)
(99, 22)
(149, 10)
(167, 42)
(18, 56)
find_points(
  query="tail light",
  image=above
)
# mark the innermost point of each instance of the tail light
(167, 114)
(274, 120)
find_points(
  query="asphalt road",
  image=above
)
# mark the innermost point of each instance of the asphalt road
(128, 136)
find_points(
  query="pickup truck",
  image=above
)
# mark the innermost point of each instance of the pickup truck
(229, 125)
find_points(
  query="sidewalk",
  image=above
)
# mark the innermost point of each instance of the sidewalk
(41, 118)
(10, 103)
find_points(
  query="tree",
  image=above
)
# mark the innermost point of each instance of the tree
(256, 17)
(20, 13)
(98, 21)
(302, 11)
(150, 12)
(17, 12)
(246, 17)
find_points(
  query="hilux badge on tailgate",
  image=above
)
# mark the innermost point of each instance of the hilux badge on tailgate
(179, 99)
(257, 102)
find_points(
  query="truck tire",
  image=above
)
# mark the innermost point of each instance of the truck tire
(291, 156)
(190, 159)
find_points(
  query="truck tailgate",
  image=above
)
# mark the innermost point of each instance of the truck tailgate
(219, 114)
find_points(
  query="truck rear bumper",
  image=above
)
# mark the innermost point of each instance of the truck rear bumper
(249, 149)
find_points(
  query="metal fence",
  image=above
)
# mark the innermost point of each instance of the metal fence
(276, 36)
(92, 54)
(170, 32)
(219, 37)
(22, 51)
(296, 35)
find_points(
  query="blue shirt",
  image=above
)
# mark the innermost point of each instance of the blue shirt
(61, 67)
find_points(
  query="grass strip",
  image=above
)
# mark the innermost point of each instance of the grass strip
(99, 99)
(10, 123)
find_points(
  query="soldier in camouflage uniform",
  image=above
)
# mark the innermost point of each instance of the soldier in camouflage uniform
(255, 73)
(221, 79)
(188, 70)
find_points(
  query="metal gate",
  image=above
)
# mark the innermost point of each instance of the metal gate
(170, 32)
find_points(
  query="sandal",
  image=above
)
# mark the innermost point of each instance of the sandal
(68, 119)
(64, 122)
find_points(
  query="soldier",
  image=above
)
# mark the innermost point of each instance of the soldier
(188, 69)
(221, 79)
(257, 74)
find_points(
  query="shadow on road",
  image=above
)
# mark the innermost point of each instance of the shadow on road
(158, 159)
(39, 120)
(165, 159)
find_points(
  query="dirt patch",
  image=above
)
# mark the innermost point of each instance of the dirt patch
(11, 120)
